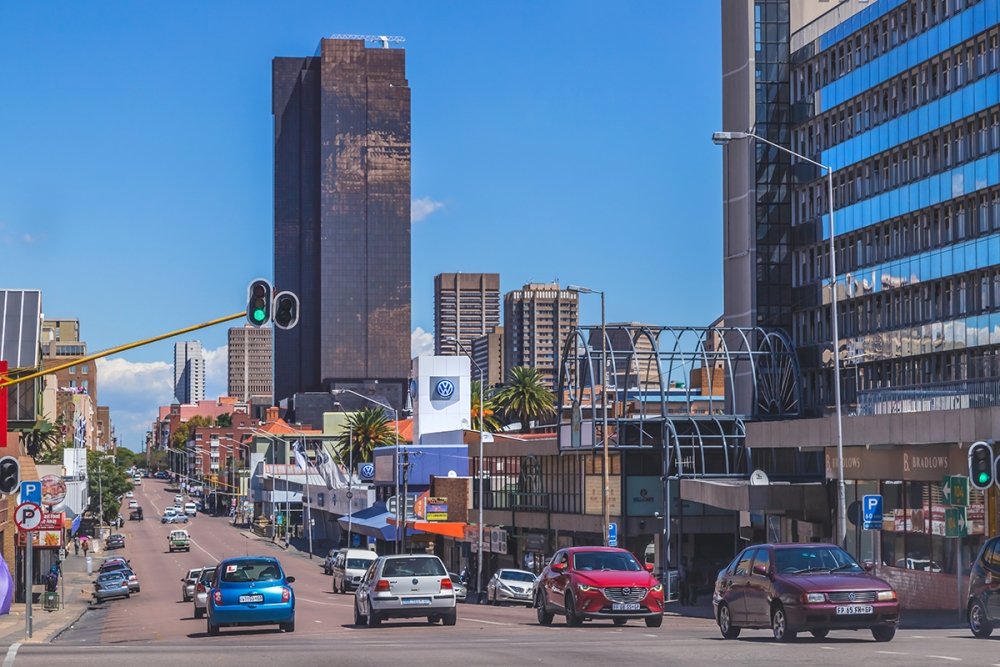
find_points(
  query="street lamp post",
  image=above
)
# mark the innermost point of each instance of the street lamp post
(606, 503)
(723, 138)
(400, 502)
(479, 551)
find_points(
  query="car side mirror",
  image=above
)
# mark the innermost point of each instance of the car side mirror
(649, 567)
(760, 569)
(558, 567)
(869, 566)
(290, 580)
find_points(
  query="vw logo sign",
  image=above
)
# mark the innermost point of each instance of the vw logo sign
(445, 388)
(368, 471)
(852, 597)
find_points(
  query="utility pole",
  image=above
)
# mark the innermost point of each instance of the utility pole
(405, 498)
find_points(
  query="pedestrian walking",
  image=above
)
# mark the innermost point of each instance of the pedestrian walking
(85, 545)
(76, 546)
(682, 582)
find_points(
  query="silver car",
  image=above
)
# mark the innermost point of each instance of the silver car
(188, 583)
(201, 591)
(111, 585)
(508, 585)
(405, 586)
(461, 588)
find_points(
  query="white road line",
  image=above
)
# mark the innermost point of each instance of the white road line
(328, 604)
(11, 654)
(827, 648)
(892, 652)
(945, 657)
(210, 554)
(480, 620)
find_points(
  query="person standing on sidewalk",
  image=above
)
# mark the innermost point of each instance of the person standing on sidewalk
(76, 546)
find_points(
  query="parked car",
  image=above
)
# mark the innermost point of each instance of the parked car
(129, 494)
(791, 588)
(405, 586)
(132, 579)
(111, 585)
(328, 561)
(178, 540)
(200, 596)
(460, 586)
(983, 607)
(113, 564)
(924, 564)
(189, 581)
(116, 541)
(584, 583)
(251, 590)
(349, 566)
(509, 585)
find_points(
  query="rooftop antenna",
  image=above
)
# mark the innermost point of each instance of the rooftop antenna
(384, 39)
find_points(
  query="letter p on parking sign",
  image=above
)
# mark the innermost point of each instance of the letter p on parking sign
(871, 510)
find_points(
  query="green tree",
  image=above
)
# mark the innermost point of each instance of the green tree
(490, 421)
(224, 420)
(43, 438)
(106, 482)
(524, 398)
(155, 460)
(126, 458)
(183, 433)
(370, 428)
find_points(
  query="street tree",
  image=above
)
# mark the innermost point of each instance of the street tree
(524, 398)
(106, 482)
(491, 422)
(370, 428)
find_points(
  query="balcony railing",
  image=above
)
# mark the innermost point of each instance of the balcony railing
(954, 395)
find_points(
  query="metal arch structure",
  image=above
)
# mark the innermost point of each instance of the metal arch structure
(676, 388)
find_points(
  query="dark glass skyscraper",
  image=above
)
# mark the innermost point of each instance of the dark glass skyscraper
(342, 218)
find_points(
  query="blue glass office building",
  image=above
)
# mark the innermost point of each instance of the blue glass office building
(901, 99)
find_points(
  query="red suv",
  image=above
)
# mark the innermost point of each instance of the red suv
(583, 583)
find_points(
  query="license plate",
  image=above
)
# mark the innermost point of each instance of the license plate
(846, 609)
(415, 601)
(625, 606)
(251, 598)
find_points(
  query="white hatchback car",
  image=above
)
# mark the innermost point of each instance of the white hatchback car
(405, 586)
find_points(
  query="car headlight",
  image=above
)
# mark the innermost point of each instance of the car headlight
(815, 597)
(886, 596)
(583, 588)
(657, 588)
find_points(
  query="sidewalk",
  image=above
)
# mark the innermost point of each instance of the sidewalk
(76, 587)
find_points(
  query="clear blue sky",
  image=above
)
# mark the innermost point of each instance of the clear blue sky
(553, 140)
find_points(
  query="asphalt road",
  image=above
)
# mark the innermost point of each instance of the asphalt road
(155, 628)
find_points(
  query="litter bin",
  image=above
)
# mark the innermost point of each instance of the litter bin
(90, 565)
(50, 601)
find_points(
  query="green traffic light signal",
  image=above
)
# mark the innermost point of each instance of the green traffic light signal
(981, 465)
(259, 303)
(984, 477)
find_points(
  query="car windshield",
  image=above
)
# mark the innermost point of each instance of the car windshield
(207, 576)
(413, 567)
(814, 559)
(358, 563)
(514, 575)
(111, 576)
(605, 560)
(251, 570)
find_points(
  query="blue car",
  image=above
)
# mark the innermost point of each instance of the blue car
(251, 590)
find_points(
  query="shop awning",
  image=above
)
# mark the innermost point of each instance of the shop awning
(809, 499)
(455, 529)
(373, 522)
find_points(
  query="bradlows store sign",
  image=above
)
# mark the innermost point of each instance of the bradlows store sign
(917, 463)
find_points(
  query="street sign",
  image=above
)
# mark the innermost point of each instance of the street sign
(28, 516)
(31, 492)
(871, 512)
(612, 534)
(62, 555)
(955, 522)
(955, 489)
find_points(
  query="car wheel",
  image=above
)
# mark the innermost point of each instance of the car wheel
(884, 633)
(820, 633)
(358, 618)
(199, 612)
(779, 625)
(571, 616)
(619, 621)
(979, 621)
(432, 619)
(213, 630)
(654, 621)
(288, 627)
(726, 627)
(450, 617)
(373, 619)
(544, 615)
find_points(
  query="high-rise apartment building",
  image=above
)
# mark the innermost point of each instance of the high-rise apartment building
(537, 320)
(189, 372)
(466, 306)
(899, 99)
(61, 344)
(487, 351)
(249, 363)
(342, 218)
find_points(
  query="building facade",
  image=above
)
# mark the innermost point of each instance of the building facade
(61, 344)
(249, 363)
(487, 351)
(899, 99)
(189, 372)
(466, 306)
(342, 218)
(537, 319)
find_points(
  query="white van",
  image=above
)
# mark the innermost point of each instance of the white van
(349, 566)
(190, 509)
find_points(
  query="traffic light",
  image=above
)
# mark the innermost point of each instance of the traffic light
(981, 465)
(286, 310)
(10, 475)
(259, 303)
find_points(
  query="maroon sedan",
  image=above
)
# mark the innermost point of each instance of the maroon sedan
(584, 583)
(792, 588)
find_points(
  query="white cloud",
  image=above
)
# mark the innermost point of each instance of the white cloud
(421, 208)
(216, 371)
(421, 342)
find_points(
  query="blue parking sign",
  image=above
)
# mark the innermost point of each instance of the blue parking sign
(612, 534)
(31, 492)
(871, 512)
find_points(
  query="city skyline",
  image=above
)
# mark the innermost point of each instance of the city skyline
(191, 228)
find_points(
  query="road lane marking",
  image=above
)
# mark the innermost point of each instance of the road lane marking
(329, 604)
(210, 554)
(480, 620)
(945, 657)
(826, 648)
(8, 661)
(892, 652)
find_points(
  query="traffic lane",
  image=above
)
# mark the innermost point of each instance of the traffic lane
(688, 642)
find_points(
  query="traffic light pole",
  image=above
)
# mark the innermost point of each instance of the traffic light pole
(8, 381)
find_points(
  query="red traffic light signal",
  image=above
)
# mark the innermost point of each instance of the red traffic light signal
(259, 303)
(981, 465)
(286, 310)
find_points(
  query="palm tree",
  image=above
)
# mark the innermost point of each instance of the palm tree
(524, 398)
(366, 429)
(42, 439)
(490, 421)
